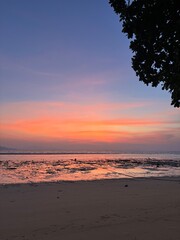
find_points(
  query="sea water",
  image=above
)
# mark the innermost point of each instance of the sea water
(31, 167)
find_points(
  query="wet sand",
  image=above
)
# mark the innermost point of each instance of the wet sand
(124, 209)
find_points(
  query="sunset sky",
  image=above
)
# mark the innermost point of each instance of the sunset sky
(66, 82)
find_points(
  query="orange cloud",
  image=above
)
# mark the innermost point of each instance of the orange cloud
(78, 129)
(11, 112)
(82, 122)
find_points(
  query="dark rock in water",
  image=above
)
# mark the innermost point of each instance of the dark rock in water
(49, 171)
(126, 185)
(11, 168)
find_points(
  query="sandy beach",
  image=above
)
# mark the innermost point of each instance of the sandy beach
(128, 209)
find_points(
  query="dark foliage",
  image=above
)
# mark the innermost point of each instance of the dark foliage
(154, 29)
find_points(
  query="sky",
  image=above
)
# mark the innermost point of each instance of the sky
(66, 82)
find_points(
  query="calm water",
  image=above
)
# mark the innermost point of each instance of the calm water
(25, 168)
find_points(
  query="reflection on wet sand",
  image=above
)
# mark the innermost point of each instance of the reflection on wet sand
(43, 168)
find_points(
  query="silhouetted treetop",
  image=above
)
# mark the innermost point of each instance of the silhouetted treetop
(154, 29)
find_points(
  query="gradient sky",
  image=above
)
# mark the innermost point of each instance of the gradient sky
(66, 82)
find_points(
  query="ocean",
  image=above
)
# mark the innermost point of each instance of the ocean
(34, 167)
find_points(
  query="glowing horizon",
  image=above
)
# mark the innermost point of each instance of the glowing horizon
(77, 123)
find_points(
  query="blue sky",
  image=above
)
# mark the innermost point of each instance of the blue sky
(72, 53)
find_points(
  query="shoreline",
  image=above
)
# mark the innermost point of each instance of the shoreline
(115, 209)
(161, 178)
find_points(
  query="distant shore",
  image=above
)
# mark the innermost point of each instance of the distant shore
(17, 152)
(84, 210)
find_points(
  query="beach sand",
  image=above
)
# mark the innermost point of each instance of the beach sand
(134, 209)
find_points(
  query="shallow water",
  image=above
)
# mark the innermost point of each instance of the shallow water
(25, 168)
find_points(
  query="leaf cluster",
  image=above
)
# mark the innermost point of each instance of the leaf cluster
(154, 29)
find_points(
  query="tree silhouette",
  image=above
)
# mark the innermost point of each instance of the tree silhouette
(154, 29)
